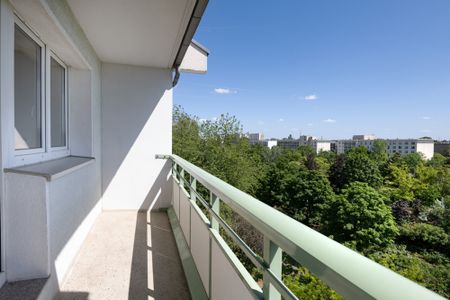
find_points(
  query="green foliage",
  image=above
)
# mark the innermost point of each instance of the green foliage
(424, 236)
(218, 147)
(430, 269)
(355, 165)
(307, 286)
(360, 218)
(379, 152)
(305, 194)
(413, 161)
(399, 184)
(369, 189)
(186, 135)
(438, 160)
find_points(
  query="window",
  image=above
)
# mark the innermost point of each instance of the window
(40, 99)
(57, 104)
(27, 91)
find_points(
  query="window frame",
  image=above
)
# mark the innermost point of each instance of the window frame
(46, 151)
(51, 55)
(35, 38)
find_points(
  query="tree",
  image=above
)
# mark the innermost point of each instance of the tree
(399, 184)
(355, 165)
(419, 267)
(185, 135)
(413, 161)
(425, 236)
(305, 194)
(359, 218)
(379, 152)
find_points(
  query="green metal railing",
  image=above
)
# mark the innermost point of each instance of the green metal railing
(350, 274)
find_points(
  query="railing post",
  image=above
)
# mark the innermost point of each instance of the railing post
(215, 206)
(174, 170)
(182, 178)
(273, 258)
(193, 188)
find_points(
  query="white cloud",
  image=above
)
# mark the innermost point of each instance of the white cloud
(310, 124)
(260, 123)
(281, 120)
(224, 91)
(425, 118)
(311, 97)
(329, 120)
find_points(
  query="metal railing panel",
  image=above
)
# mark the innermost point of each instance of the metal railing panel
(346, 271)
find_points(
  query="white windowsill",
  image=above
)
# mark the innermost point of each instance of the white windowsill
(53, 169)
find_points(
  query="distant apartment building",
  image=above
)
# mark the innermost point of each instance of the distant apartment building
(256, 138)
(442, 147)
(270, 143)
(401, 146)
(364, 137)
(321, 146)
(305, 140)
(289, 143)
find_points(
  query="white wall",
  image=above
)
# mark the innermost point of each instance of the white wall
(323, 146)
(71, 215)
(426, 148)
(74, 199)
(136, 125)
(27, 238)
(195, 60)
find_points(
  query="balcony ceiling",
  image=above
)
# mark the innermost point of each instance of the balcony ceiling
(134, 32)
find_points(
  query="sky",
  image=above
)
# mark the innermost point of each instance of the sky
(326, 68)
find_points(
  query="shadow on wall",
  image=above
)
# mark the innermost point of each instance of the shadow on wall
(136, 125)
(160, 193)
(156, 269)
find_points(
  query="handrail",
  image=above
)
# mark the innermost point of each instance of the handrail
(349, 273)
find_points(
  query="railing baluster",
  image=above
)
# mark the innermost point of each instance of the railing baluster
(181, 178)
(273, 258)
(215, 206)
(193, 188)
(174, 170)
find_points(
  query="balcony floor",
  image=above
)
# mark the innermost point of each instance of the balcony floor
(127, 255)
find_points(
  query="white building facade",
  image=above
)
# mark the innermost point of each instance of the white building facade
(400, 146)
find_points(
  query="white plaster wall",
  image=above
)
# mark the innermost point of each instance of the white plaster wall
(136, 125)
(427, 149)
(194, 61)
(80, 109)
(74, 198)
(27, 235)
(72, 211)
(323, 146)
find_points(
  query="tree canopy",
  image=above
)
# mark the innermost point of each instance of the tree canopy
(391, 208)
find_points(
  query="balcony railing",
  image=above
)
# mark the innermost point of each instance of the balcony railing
(222, 274)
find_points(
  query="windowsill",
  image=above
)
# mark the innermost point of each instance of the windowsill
(53, 169)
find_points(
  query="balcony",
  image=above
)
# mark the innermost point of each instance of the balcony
(143, 255)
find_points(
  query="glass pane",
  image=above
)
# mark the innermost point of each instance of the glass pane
(27, 91)
(57, 104)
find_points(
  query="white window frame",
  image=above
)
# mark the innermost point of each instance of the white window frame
(34, 37)
(50, 55)
(45, 152)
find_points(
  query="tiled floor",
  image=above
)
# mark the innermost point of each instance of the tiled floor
(127, 255)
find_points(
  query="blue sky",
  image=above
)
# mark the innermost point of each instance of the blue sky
(326, 68)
